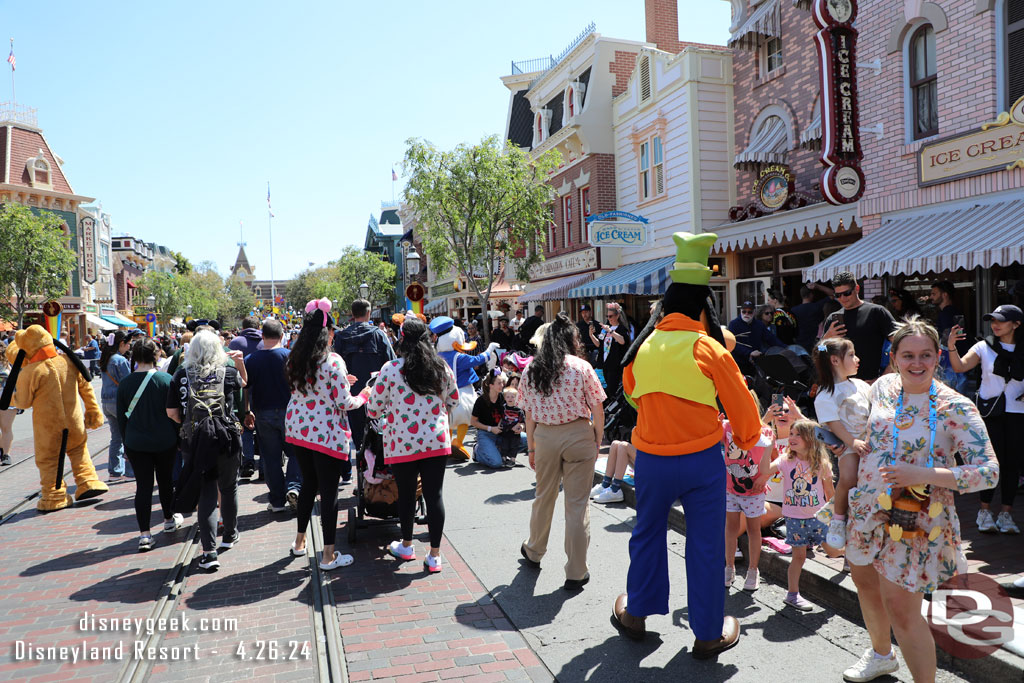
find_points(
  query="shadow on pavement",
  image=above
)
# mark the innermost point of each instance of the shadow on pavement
(131, 587)
(255, 585)
(608, 660)
(84, 558)
(505, 498)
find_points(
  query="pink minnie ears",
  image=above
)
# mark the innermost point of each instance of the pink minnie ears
(323, 304)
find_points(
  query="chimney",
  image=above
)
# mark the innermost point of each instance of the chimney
(663, 24)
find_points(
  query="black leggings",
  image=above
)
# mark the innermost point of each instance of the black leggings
(431, 473)
(146, 464)
(320, 474)
(1004, 432)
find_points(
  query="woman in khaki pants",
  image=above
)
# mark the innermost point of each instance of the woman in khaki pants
(562, 397)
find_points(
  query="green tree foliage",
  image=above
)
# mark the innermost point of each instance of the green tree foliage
(339, 280)
(36, 261)
(171, 291)
(182, 266)
(480, 208)
(236, 303)
(204, 289)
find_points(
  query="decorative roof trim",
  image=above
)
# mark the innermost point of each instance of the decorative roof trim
(765, 21)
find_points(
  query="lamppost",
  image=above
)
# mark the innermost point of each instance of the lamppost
(188, 312)
(364, 291)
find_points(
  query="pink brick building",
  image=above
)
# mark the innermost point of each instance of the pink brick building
(944, 192)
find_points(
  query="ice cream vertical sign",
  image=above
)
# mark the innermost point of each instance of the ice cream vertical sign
(842, 181)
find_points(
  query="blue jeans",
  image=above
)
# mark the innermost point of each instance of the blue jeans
(117, 464)
(248, 448)
(698, 479)
(486, 450)
(270, 432)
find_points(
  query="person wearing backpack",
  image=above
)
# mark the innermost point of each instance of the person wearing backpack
(150, 438)
(114, 368)
(202, 399)
(316, 425)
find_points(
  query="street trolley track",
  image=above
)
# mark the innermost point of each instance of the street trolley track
(10, 467)
(330, 653)
(11, 512)
(136, 670)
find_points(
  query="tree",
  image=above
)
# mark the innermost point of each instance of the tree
(170, 291)
(238, 300)
(480, 208)
(37, 260)
(339, 280)
(182, 266)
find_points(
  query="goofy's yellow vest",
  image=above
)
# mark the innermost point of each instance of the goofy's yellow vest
(665, 364)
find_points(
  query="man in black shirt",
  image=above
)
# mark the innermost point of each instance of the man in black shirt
(528, 328)
(866, 325)
(809, 314)
(587, 327)
(502, 336)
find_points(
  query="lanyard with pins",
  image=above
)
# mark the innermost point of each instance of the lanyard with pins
(933, 421)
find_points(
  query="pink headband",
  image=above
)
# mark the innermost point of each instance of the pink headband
(323, 304)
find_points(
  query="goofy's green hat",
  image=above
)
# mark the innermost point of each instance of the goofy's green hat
(692, 252)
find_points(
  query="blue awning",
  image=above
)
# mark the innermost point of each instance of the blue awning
(645, 278)
(118, 320)
(557, 290)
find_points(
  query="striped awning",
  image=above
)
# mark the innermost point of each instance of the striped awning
(968, 237)
(647, 277)
(812, 133)
(767, 146)
(118, 320)
(815, 220)
(436, 306)
(766, 21)
(557, 290)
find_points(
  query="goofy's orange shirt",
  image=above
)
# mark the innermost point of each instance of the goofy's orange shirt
(668, 423)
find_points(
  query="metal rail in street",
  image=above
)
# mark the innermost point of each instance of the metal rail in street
(11, 512)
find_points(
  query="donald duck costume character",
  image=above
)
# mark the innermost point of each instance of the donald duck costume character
(451, 346)
(676, 371)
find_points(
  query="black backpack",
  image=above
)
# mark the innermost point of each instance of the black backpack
(209, 430)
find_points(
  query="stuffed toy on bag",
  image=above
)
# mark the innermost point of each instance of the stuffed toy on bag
(51, 384)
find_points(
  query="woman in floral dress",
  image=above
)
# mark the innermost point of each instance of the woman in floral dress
(893, 573)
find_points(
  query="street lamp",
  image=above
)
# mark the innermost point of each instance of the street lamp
(151, 300)
(334, 303)
(188, 311)
(364, 291)
(412, 261)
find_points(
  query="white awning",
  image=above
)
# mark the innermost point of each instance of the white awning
(794, 224)
(765, 21)
(767, 146)
(436, 306)
(812, 133)
(556, 289)
(99, 323)
(966, 237)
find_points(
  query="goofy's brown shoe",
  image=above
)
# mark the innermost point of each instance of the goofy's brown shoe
(706, 649)
(632, 627)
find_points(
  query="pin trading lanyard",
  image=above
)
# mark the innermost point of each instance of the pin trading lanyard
(933, 421)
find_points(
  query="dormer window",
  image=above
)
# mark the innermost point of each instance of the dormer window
(541, 126)
(572, 101)
(39, 171)
(572, 108)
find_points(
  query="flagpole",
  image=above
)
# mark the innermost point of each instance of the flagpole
(270, 234)
(14, 93)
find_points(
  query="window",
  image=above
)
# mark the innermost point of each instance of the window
(41, 171)
(566, 219)
(584, 212)
(104, 254)
(572, 105)
(772, 56)
(645, 79)
(652, 168)
(924, 98)
(1014, 51)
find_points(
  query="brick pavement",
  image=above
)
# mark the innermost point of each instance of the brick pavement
(400, 623)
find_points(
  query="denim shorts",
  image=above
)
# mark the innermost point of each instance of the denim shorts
(805, 532)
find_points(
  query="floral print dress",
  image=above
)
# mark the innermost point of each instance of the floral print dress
(917, 564)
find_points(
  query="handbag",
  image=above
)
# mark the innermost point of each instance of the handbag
(991, 407)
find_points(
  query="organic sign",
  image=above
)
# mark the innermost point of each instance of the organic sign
(575, 262)
(88, 225)
(842, 182)
(996, 144)
(631, 232)
(774, 185)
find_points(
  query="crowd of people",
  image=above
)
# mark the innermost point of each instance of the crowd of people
(869, 471)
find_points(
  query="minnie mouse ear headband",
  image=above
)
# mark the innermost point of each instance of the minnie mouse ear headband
(192, 325)
(441, 324)
(323, 305)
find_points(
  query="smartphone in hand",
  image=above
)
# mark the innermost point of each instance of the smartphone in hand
(959, 321)
(778, 400)
(827, 436)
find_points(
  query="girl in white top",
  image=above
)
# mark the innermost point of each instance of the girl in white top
(842, 406)
(1002, 372)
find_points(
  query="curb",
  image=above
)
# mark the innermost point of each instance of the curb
(824, 587)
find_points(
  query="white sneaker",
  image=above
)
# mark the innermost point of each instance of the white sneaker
(402, 552)
(339, 561)
(272, 508)
(753, 581)
(836, 536)
(174, 523)
(986, 524)
(1005, 524)
(432, 564)
(598, 489)
(609, 496)
(869, 667)
(730, 574)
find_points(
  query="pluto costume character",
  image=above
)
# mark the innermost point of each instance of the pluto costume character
(50, 384)
(676, 371)
(451, 346)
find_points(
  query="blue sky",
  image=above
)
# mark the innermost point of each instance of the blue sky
(176, 114)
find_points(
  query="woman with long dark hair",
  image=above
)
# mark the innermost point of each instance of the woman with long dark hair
(316, 425)
(415, 393)
(114, 368)
(563, 400)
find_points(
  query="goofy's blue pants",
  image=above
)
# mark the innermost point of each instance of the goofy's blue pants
(698, 480)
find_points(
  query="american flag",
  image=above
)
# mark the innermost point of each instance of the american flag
(11, 60)
(394, 177)
(269, 210)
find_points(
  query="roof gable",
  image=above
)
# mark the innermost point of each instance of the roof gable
(24, 145)
(241, 263)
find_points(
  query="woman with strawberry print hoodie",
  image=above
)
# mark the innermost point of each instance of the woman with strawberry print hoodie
(414, 395)
(316, 425)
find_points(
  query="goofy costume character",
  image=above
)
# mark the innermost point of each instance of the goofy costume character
(451, 346)
(676, 371)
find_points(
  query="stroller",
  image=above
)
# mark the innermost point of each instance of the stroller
(782, 371)
(376, 491)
